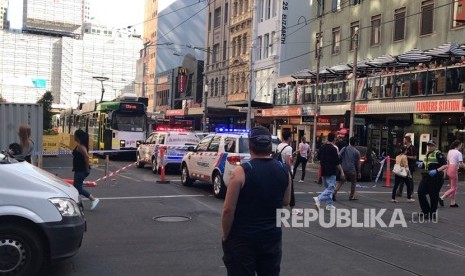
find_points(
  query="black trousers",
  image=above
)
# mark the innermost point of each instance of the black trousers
(401, 186)
(245, 257)
(292, 203)
(430, 185)
(399, 180)
(303, 161)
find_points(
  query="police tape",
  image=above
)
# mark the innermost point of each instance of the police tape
(114, 173)
(70, 152)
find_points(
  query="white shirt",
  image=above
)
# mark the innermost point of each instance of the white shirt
(286, 150)
(303, 149)
(454, 157)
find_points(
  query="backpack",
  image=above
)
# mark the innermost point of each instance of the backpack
(277, 155)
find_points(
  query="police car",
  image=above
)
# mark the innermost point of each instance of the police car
(175, 143)
(214, 159)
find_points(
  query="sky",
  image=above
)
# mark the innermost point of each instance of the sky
(123, 13)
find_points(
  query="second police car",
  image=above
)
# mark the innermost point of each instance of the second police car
(175, 143)
(214, 159)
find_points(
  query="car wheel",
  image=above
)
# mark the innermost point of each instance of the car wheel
(139, 163)
(186, 180)
(21, 250)
(155, 168)
(219, 189)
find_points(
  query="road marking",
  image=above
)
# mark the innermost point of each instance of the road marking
(149, 197)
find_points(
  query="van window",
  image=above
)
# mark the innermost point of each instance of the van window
(182, 139)
(230, 144)
(243, 145)
(203, 145)
(161, 139)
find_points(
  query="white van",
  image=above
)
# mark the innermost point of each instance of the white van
(41, 218)
(175, 144)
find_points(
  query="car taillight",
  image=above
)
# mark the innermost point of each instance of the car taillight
(363, 159)
(234, 160)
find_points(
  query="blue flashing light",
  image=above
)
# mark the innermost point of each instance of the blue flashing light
(223, 130)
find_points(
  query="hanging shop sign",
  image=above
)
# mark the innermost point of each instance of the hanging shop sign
(282, 112)
(176, 112)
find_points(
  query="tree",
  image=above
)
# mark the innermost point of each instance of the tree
(46, 102)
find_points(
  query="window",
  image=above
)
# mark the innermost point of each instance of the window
(336, 40)
(319, 41)
(216, 87)
(260, 44)
(240, 11)
(356, 2)
(217, 21)
(375, 30)
(353, 27)
(336, 5)
(244, 44)
(215, 144)
(223, 86)
(212, 87)
(320, 8)
(458, 17)
(266, 46)
(234, 47)
(225, 48)
(226, 10)
(216, 53)
(243, 84)
(209, 21)
(261, 6)
(203, 144)
(268, 9)
(275, 8)
(399, 24)
(230, 144)
(239, 46)
(273, 41)
(235, 9)
(427, 13)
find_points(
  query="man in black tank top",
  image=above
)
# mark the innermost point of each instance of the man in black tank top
(251, 240)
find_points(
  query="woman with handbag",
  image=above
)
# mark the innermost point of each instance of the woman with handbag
(402, 172)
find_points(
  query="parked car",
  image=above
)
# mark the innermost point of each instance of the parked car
(41, 218)
(370, 164)
(214, 159)
(175, 144)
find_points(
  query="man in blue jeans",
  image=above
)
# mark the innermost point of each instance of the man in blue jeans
(330, 164)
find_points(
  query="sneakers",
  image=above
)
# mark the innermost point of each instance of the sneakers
(330, 207)
(297, 212)
(394, 201)
(317, 202)
(94, 203)
(441, 202)
(301, 181)
(410, 200)
(454, 205)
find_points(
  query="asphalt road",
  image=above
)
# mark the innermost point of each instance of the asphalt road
(123, 239)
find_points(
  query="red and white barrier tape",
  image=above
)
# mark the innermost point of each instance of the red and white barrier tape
(114, 173)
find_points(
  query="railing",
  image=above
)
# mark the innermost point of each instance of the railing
(432, 82)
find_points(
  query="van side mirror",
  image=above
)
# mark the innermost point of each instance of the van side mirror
(191, 149)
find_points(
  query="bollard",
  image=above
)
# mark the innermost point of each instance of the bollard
(388, 172)
(107, 161)
(163, 175)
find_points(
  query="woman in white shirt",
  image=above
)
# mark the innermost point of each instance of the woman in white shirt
(454, 162)
(302, 158)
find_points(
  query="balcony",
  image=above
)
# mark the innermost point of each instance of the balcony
(242, 17)
(426, 83)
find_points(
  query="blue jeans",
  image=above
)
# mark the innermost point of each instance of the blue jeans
(79, 183)
(327, 194)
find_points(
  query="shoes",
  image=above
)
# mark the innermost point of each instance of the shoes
(317, 202)
(330, 207)
(441, 202)
(94, 203)
(394, 201)
(353, 198)
(301, 181)
(454, 205)
(410, 200)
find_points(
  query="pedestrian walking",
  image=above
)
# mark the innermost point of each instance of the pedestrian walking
(81, 166)
(26, 143)
(330, 165)
(454, 162)
(351, 166)
(251, 241)
(285, 151)
(411, 158)
(402, 163)
(302, 157)
(432, 180)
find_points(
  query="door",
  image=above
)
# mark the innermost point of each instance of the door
(424, 138)
(196, 162)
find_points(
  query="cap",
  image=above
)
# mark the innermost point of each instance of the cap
(260, 136)
(431, 142)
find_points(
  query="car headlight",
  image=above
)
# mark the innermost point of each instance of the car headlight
(122, 143)
(67, 207)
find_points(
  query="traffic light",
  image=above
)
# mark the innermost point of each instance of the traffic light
(347, 119)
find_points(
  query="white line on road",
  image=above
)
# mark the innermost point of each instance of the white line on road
(149, 197)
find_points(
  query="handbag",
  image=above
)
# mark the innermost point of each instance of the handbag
(400, 171)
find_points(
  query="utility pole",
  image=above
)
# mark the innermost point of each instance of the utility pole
(354, 93)
(319, 37)
(248, 122)
(205, 108)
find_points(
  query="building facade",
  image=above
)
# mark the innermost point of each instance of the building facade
(149, 52)
(3, 13)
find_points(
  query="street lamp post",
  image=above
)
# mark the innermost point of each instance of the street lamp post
(315, 108)
(205, 108)
(352, 96)
(101, 79)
